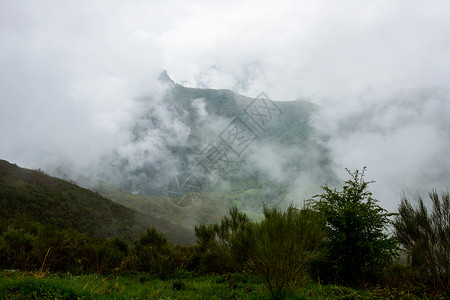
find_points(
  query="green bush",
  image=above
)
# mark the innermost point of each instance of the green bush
(15, 248)
(153, 254)
(278, 249)
(224, 247)
(359, 247)
(32, 246)
(110, 254)
(285, 245)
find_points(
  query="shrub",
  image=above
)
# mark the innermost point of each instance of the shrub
(285, 244)
(278, 249)
(425, 237)
(153, 253)
(15, 248)
(224, 246)
(359, 247)
(110, 254)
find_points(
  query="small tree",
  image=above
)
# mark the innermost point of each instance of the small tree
(278, 249)
(224, 246)
(426, 237)
(153, 253)
(285, 243)
(358, 244)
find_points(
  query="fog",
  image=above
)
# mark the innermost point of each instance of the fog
(76, 76)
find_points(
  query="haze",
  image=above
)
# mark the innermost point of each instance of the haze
(72, 74)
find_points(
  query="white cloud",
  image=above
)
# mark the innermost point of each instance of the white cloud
(71, 71)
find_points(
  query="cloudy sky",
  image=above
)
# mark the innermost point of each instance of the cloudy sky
(70, 72)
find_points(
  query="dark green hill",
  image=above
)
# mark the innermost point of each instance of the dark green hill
(31, 195)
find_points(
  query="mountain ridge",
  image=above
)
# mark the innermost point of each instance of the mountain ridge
(202, 116)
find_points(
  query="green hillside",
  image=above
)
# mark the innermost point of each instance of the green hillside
(207, 207)
(32, 196)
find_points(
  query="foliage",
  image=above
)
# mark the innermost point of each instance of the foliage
(222, 246)
(33, 246)
(111, 254)
(358, 243)
(278, 249)
(42, 248)
(27, 195)
(426, 237)
(285, 244)
(153, 254)
(15, 247)
(411, 280)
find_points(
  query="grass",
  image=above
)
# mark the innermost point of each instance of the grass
(183, 285)
(23, 285)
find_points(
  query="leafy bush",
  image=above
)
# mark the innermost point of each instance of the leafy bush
(15, 247)
(110, 254)
(153, 254)
(359, 247)
(32, 246)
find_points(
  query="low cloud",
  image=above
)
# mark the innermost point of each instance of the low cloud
(403, 140)
(74, 75)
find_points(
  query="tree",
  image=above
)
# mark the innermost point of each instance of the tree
(358, 244)
(426, 237)
(224, 246)
(285, 243)
(277, 249)
(153, 253)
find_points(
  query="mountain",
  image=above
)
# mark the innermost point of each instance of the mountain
(33, 196)
(190, 156)
(239, 150)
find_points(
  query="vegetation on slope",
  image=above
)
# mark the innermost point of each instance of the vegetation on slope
(207, 208)
(283, 255)
(31, 195)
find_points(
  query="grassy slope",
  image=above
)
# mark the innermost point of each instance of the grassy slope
(27, 195)
(207, 209)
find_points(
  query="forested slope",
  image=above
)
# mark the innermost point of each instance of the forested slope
(32, 196)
